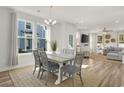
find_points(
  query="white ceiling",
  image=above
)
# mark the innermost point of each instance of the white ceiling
(86, 17)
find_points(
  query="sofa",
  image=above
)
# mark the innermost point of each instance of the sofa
(112, 50)
(114, 56)
(114, 53)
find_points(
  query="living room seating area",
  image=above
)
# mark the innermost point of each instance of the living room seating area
(114, 53)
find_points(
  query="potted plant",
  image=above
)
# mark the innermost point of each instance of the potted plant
(54, 46)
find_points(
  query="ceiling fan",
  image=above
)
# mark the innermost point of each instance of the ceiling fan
(106, 30)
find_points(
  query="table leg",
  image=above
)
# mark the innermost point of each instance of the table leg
(59, 78)
(72, 62)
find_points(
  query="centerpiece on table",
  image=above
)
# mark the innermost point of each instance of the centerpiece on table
(53, 46)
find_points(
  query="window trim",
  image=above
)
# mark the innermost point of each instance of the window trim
(18, 37)
(46, 33)
(33, 37)
(44, 28)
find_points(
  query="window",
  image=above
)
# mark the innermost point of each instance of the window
(24, 36)
(30, 38)
(41, 36)
(70, 41)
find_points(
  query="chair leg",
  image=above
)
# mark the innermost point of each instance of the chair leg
(52, 74)
(39, 72)
(47, 78)
(73, 80)
(34, 70)
(81, 79)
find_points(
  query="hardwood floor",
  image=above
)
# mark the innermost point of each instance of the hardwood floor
(24, 78)
(5, 80)
(96, 72)
(103, 74)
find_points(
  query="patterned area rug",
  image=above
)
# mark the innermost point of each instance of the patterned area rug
(5, 80)
(23, 77)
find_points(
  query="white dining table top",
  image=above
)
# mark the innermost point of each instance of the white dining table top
(59, 57)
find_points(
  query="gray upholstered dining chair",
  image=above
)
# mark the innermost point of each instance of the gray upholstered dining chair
(74, 69)
(48, 66)
(68, 51)
(40, 49)
(37, 62)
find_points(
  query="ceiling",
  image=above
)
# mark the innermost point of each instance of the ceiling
(85, 17)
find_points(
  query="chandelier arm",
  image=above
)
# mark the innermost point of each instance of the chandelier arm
(50, 21)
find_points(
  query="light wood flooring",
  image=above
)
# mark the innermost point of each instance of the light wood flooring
(97, 71)
(5, 80)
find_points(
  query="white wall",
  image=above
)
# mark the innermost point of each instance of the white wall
(60, 32)
(5, 30)
(25, 59)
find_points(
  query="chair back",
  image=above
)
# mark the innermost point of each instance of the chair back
(68, 51)
(40, 49)
(43, 59)
(79, 59)
(36, 57)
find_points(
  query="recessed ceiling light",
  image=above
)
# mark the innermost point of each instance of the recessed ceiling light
(81, 22)
(117, 21)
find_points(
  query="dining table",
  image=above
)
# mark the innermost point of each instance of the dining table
(60, 58)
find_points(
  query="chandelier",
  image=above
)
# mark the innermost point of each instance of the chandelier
(50, 21)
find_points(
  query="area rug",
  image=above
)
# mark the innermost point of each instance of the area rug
(5, 79)
(24, 77)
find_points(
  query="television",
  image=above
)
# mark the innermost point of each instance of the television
(84, 38)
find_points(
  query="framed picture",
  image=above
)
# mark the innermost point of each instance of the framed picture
(107, 41)
(107, 36)
(121, 38)
(100, 39)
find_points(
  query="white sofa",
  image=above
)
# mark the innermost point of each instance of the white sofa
(115, 54)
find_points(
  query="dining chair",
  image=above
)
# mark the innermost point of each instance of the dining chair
(71, 70)
(37, 62)
(47, 66)
(40, 49)
(68, 51)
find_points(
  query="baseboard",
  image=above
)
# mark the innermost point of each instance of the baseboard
(5, 69)
(14, 67)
